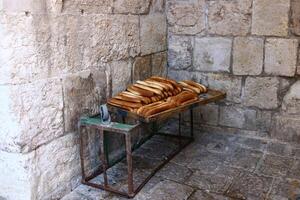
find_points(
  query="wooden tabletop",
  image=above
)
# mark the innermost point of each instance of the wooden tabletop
(205, 98)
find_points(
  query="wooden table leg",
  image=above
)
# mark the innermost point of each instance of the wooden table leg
(81, 152)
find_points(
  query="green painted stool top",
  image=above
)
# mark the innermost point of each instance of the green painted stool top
(113, 126)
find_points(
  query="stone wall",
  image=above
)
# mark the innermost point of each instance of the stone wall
(60, 59)
(248, 48)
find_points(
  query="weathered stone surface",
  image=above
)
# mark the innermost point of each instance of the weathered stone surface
(295, 17)
(275, 166)
(294, 171)
(159, 64)
(131, 6)
(169, 190)
(287, 128)
(85, 192)
(180, 52)
(53, 180)
(280, 149)
(120, 76)
(10, 128)
(33, 6)
(237, 117)
(142, 68)
(77, 6)
(175, 172)
(15, 180)
(263, 120)
(267, 22)
(212, 54)
(157, 6)
(229, 84)
(229, 17)
(215, 182)
(245, 158)
(186, 17)
(248, 56)
(39, 111)
(285, 189)
(200, 195)
(207, 114)
(281, 57)
(261, 92)
(83, 93)
(291, 101)
(113, 37)
(153, 33)
(251, 143)
(250, 186)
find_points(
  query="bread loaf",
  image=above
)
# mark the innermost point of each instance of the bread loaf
(124, 104)
(142, 109)
(198, 85)
(140, 91)
(159, 84)
(155, 91)
(182, 97)
(126, 98)
(189, 101)
(185, 85)
(156, 86)
(159, 108)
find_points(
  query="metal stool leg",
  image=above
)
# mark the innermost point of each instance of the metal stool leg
(103, 157)
(129, 164)
(81, 153)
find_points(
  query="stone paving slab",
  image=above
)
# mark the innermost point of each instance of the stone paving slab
(214, 167)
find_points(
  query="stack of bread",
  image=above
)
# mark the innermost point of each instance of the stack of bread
(157, 94)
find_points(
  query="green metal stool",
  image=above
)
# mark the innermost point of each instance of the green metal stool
(127, 130)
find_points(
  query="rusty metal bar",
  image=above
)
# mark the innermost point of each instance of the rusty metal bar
(129, 163)
(81, 152)
(103, 157)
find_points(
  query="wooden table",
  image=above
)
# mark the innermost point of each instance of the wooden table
(127, 130)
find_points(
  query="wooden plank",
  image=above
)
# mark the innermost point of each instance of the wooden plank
(205, 98)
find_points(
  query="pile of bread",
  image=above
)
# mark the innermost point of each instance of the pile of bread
(157, 94)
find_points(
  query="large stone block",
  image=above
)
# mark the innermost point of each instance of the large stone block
(180, 52)
(142, 68)
(229, 17)
(131, 6)
(10, 128)
(291, 101)
(38, 108)
(186, 17)
(281, 57)
(287, 128)
(83, 93)
(157, 6)
(266, 21)
(33, 6)
(18, 52)
(295, 17)
(212, 54)
(247, 56)
(110, 37)
(261, 92)
(229, 84)
(120, 75)
(56, 170)
(159, 64)
(237, 117)
(15, 177)
(79, 6)
(153, 33)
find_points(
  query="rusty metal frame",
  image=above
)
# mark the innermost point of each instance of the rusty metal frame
(131, 192)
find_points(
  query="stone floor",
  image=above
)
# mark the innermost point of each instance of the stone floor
(215, 166)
